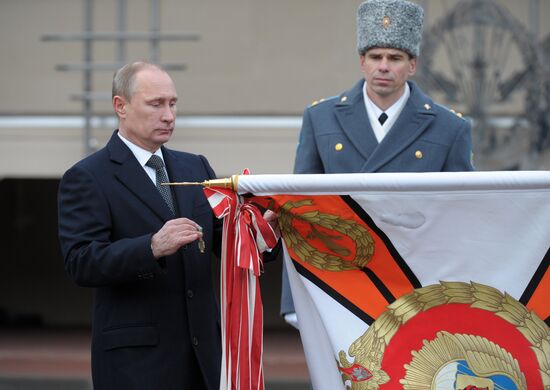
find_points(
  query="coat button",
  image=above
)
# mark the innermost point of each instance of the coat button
(418, 154)
(195, 341)
(190, 294)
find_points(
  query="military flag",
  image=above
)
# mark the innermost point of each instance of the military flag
(417, 280)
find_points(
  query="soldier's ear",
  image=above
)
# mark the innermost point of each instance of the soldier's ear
(412, 66)
(119, 105)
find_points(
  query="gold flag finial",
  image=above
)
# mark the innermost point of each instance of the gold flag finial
(226, 182)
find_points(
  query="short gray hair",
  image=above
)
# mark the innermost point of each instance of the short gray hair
(124, 78)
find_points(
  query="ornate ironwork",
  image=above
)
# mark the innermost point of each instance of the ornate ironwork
(480, 73)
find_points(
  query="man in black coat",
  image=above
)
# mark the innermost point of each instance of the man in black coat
(155, 315)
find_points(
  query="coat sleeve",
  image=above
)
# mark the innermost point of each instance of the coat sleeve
(460, 155)
(307, 159)
(85, 226)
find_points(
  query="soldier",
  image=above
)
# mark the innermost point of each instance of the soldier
(384, 123)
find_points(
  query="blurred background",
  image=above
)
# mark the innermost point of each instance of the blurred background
(244, 70)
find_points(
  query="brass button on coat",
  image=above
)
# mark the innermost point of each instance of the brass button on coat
(418, 154)
(338, 147)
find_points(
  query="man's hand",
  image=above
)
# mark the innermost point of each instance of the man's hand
(173, 235)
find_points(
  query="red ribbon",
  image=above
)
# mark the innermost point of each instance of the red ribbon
(246, 234)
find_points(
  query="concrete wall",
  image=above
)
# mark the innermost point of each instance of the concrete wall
(229, 150)
(254, 56)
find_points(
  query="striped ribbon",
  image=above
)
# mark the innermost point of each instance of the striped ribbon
(246, 235)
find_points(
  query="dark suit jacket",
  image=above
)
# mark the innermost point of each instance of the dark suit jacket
(426, 137)
(150, 318)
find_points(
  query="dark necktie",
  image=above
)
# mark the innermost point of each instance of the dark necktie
(382, 118)
(157, 164)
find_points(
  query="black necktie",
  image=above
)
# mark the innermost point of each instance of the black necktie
(157, 164)
(382, 118)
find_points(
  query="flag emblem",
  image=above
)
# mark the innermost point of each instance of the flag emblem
(418, 341)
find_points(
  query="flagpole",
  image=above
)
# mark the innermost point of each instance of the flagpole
(350, 183)
(226, 182)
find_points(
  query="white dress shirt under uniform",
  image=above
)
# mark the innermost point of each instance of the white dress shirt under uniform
(392, 112)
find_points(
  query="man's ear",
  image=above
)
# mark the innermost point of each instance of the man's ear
(412, 66)
(362, 58)
(119, 104)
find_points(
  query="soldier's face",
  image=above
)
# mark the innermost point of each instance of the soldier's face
(386, 71)
(148, 119)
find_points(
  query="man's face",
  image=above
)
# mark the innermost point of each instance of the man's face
(148, 119)
(386, 71)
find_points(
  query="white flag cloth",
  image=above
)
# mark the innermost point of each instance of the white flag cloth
(418, 280)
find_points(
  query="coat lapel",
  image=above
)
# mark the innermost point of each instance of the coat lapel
(417, 114)
(352, 116)
(134, 178)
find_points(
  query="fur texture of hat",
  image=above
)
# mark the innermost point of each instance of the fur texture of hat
(395, 24)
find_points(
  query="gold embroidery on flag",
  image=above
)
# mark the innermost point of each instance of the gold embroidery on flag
(484, 356)
(326, 261)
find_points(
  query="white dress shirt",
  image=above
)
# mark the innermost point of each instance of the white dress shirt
(392, 112)
(143, 156)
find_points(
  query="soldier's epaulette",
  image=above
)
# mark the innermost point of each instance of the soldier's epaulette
(458, 114)
(316, 102)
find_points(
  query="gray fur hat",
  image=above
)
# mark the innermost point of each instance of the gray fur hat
(395, 24)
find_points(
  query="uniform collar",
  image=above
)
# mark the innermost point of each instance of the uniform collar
(392, 112)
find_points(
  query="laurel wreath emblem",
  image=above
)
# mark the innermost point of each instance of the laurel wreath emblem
(482, 355)
(484, 358)
(322, 260)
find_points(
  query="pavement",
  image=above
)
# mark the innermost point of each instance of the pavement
(59, 359)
